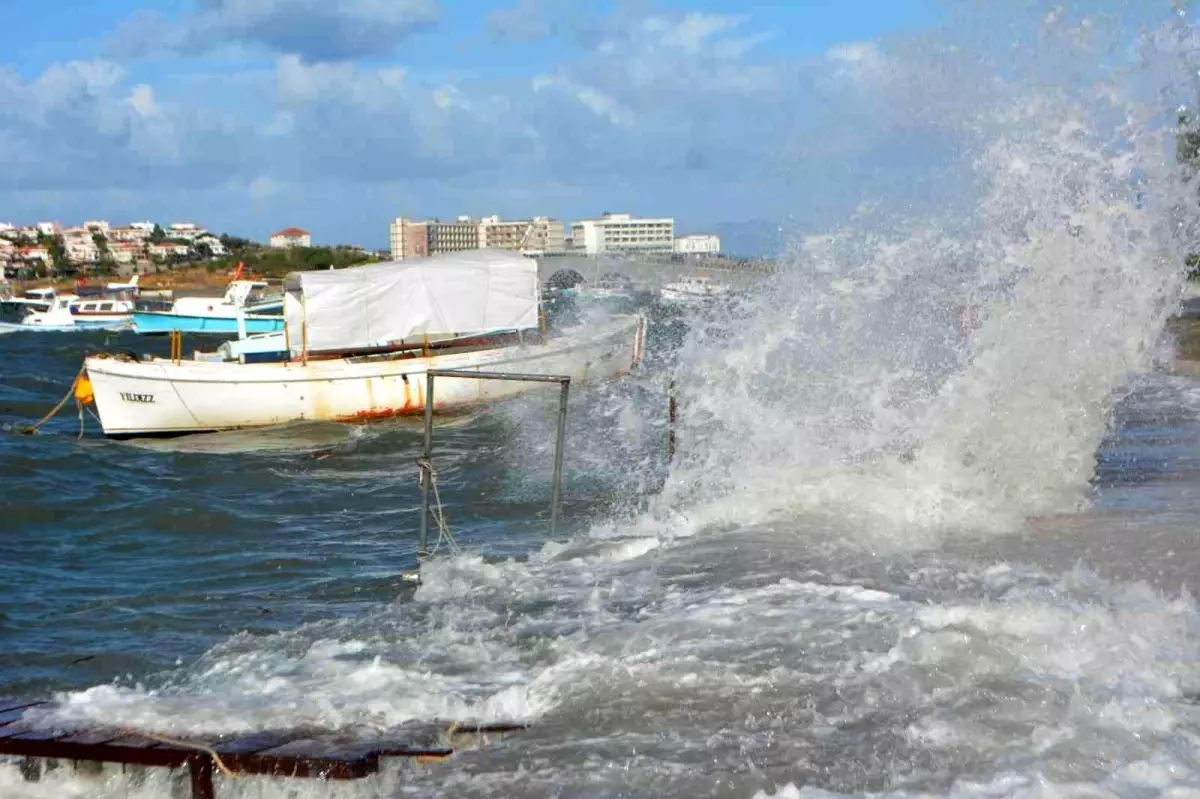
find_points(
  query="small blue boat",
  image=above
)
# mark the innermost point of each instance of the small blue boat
(247, 298)
(150, 322)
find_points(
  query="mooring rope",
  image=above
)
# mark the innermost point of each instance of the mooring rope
(439, 515)
(208, 750)
(70, 392)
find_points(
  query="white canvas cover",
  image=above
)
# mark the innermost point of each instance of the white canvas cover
(383, 305)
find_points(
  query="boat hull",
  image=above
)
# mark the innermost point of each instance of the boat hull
(76, 326)
(150, 322)
(161, 397)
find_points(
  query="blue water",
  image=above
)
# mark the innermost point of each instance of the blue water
(124, 559)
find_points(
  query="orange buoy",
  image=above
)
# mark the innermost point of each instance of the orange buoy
(83, 391)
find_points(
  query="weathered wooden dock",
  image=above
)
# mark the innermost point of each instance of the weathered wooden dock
(26, 731)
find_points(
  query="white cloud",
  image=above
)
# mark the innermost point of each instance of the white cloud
(141, 99)
(692, 33)
(602, 105)
(299, 83)
(859, 61)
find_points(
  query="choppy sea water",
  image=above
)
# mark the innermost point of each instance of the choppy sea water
(249, 580)
(930, 529)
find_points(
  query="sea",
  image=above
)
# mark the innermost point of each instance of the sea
(929, 526)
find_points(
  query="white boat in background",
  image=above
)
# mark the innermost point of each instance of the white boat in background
(47, 310)
(693, 289)
(359, 342)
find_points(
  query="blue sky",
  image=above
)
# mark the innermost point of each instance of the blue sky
(337, 115)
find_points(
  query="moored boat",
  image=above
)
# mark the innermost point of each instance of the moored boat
(693, 289)
(359, 342)
(47, 310)
(217, 315)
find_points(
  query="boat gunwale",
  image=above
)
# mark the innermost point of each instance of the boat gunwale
(340, 369)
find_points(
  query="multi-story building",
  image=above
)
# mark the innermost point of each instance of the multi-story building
(188, 231)
(290, 237)
(409, 238)
(167, 249)
(126, 252)
(461, 234)
(698, 245)
(96, 226)
(412, 239)
(624, 233)
(81, 250)
(536, 236)
(129, 234)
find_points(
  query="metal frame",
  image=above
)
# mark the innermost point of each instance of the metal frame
(564, 382)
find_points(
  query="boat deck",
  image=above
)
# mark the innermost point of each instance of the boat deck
(303, 753)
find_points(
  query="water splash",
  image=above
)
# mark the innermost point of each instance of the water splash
(957, 369)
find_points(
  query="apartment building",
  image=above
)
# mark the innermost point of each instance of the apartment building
(537, 236)
(624, 233)
(461, 234)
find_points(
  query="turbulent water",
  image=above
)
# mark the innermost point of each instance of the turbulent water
(929, 530)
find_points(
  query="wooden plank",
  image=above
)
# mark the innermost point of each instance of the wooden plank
(94, 736)
(8, 703)
(301, 752)
(312, 757)
(128, 752)
(43, 734)
(259, 741)
(14, 714)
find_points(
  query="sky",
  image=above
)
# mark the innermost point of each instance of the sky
(336, 116)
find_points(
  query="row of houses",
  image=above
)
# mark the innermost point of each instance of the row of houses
(539, 236)
(96, 242)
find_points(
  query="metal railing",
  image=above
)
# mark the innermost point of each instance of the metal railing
(556, 499)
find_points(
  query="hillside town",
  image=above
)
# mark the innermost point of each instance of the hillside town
(97, 247)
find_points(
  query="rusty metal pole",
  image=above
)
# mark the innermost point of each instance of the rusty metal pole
(426, 468)
(671, 421)
(556, 497)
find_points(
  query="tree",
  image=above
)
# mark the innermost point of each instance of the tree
(58, 255)
(158, 235)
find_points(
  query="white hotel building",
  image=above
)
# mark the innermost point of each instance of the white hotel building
(623, 233)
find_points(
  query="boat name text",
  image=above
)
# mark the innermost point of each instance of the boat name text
(128, 397)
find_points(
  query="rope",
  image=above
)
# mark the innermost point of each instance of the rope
(70, 392)
(208, 750)
(439, 515)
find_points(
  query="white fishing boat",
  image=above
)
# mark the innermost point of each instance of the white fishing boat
(693, 289)
(47, 310)
(359, 342)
